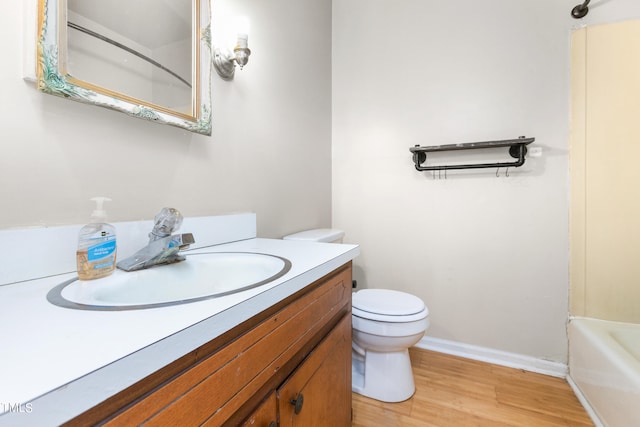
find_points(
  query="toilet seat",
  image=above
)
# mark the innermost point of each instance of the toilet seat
(386, 305)
(390, 319)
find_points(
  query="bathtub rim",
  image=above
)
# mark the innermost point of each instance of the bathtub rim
(595, 335)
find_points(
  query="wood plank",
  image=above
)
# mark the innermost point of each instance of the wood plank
(454, 391)
(265, 415)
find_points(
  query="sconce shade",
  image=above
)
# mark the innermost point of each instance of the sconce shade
(225, 62)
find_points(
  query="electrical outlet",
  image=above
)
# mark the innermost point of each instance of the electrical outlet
(535, 151)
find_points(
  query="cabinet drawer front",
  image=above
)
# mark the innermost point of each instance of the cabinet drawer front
(212, 390)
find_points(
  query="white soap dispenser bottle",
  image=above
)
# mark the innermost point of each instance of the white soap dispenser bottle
(96, 255)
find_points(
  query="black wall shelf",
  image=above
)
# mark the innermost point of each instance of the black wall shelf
(517, 149)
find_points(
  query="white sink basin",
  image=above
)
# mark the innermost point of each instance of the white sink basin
(200, 276)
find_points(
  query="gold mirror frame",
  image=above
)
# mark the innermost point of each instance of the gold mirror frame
(51, 78)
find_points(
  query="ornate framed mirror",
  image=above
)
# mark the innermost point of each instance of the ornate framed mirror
(150, 59)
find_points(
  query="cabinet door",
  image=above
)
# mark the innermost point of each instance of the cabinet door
(318, 392)
(264, 415)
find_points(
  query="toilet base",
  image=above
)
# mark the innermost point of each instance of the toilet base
(387, 377)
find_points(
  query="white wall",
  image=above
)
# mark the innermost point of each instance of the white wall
(270, 152)
(488, 255)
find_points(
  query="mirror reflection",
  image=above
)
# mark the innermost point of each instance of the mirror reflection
(150, 60)
(147, 58)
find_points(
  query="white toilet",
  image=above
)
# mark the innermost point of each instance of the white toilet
(385, 324)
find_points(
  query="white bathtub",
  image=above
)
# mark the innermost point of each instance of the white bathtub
(604, 370)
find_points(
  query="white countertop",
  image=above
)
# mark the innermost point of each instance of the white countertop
(55, 362)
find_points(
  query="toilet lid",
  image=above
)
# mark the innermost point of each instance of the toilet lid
(387, 302)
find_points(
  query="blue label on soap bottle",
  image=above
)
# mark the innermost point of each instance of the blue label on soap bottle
(103, 250)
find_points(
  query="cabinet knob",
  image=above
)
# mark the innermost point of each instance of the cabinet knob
(297, 403)
(273, 424)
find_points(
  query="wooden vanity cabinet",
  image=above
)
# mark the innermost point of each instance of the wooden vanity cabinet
(318, 392)
(266, 415)
(289, 365)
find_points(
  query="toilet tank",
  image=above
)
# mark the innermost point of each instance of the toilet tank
(328, 235)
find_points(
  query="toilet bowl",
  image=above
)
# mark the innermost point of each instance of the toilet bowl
(385, 323)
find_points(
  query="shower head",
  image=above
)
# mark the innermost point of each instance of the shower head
(581, 10)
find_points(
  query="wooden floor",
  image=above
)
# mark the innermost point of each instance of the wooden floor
(457, 392)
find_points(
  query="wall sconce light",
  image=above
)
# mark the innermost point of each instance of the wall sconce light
(225, 61)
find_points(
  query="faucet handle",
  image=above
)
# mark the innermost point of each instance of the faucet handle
(166, 222)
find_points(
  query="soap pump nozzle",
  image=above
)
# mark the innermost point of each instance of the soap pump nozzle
(99, 214)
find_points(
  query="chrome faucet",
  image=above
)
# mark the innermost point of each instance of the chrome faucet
(163, 247)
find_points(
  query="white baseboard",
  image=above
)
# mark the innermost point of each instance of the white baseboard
(497, 357)
(585, 403)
